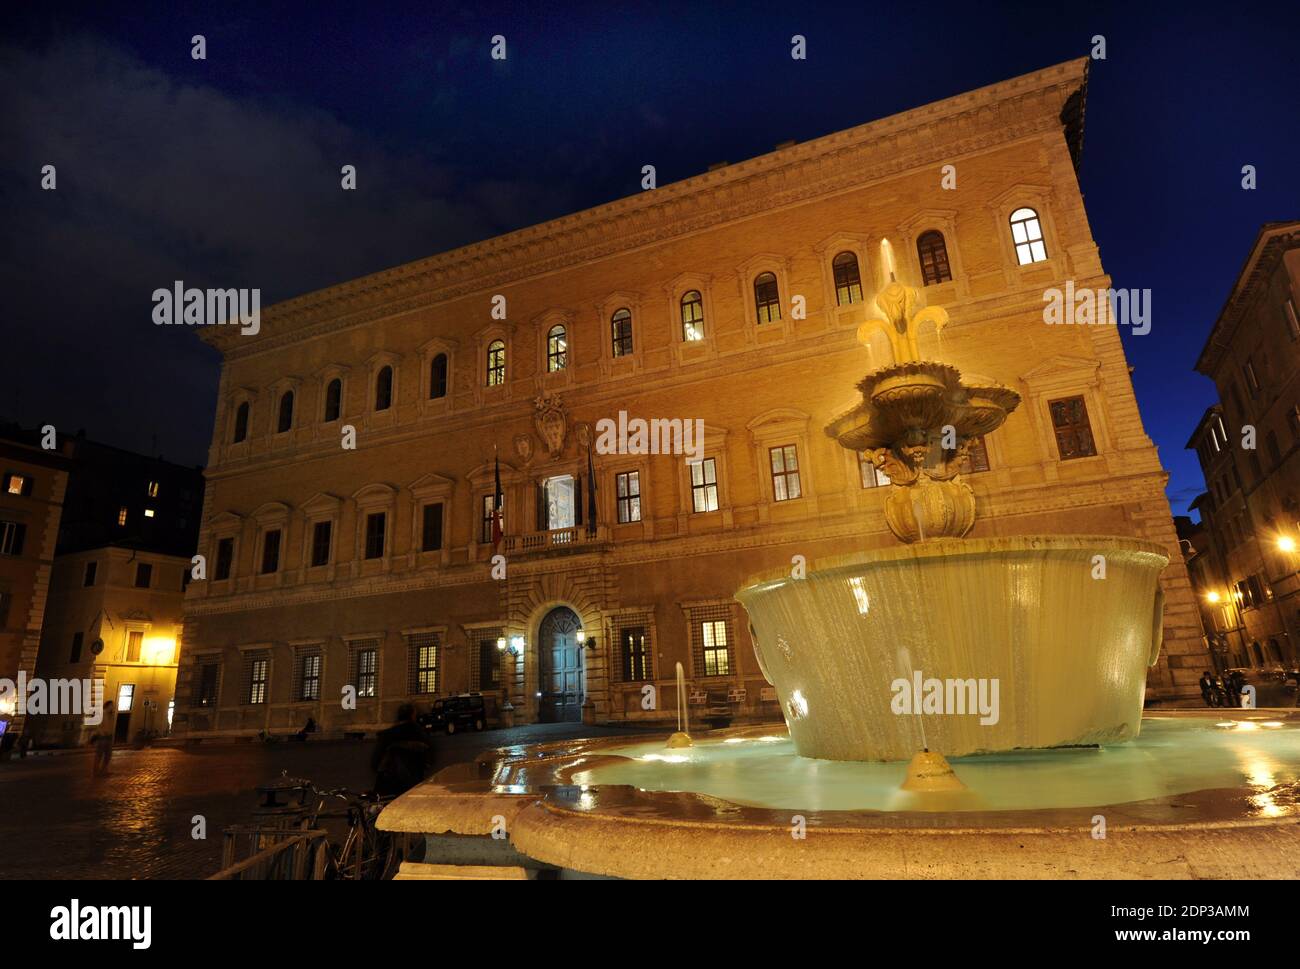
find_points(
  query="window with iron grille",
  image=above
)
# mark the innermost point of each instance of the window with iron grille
(376, 523)
(711, 641)
(1073, 432)
(431, 532)
(785, 472)
(271, 551)
(627, 485)
(872, 477)
(621, 331)
(933, 253)
(692, 316)
(225, 558)
(557, 349)
(976, 458)
(209, 677)
(635, 649)
(306, 676)
(767, 298)
(485, 659)
(363, 667)
(704, 485)
(257, 676)
(321, 534)
(422, 660)
(848, 279)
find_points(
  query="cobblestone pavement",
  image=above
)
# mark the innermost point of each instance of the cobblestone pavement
(56, 821)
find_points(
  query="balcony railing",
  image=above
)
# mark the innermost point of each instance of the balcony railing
(555, 539)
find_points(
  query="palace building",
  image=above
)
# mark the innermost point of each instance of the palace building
(342, 581)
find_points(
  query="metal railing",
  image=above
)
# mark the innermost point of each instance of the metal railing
(275, 854)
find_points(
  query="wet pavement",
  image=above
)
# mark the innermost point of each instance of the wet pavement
(57, 821)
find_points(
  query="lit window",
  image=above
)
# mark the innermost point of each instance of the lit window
(125, 697)
(628, 486)
(488, 518)
(496, 363)
(18, 484)
(692, 316)
(621, 333)
(259, 670)
(848, 280)
(366, 662)
(1027, 235)
(134, 640)
(785, 472)
(717, 654)
(704, 485)
(933, 253)
(121, 515)
(148, 513)
(557, 349)
(767, 298)
(309, 676)
(153, 489)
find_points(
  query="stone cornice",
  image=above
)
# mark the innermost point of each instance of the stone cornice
(978, 120)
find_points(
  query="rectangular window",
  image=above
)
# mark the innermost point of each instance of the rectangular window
(257, 675)
(134, 639)
(5, 599)
(143, 575)
(489, 665)
(717, 648)
(422, 659)
(1252, 381)
(1073, 432)
(125, 697)
(75, 656)
(88, 579)
(271, 551)
(872, 477)
(785, 472)
(1292, 321)
(209, 677)
(364, 664)
(308, 678)
(18, 484)
(634, 644)
(559, 503)
(121, 516)
(321, 535)
(485, 526)
(704, 485)
(152, 489)
(431, 533)
(976, 458)
(225, 557)
(376, 524)
(12, 535)
(628, 487)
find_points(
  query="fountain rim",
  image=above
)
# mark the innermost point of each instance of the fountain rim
(959, 548)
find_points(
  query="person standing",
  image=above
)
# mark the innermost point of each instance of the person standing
(401, 753)
(103, 740)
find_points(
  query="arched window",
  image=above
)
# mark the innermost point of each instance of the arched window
(496, 363)
(438, 376)
(333, 399)
(848, 280)
(1027, 234)
(621, 331)
(557, 349)
(384, 389)
(767, 298)
(692, 316)
(285, 421)
(241, 423)
(933, 252)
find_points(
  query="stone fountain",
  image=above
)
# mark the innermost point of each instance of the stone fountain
(946, 643)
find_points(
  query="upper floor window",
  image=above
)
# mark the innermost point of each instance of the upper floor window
(271, 551)
(932, 250)
(628, 488)
(785, 472)
(12, 535)
(976, 458)
(18, 484)
(1027, 234)
(384, 388)
(1252, 381)
(557, 349)
(767, 298)
(285, 421)
(121, 516)
(1292, 322)
(704, 485)
(88, 579)
(692, 316)
(848, 280)
(143, 575)
(225, 559)
(872, 477)
(152, 489)
(1073, 432)
(438, 376)
(431, 532)
(333, 399)
(321, 534)
(621, 332)
(241, 423)
(496, 363)
(376, 525)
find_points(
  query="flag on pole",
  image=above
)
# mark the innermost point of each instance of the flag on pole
(497, 501)
(591, 493)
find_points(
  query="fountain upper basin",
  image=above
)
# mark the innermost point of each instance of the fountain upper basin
(1058, 654)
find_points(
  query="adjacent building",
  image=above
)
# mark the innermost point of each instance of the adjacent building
(355, 557)
(1247, 445)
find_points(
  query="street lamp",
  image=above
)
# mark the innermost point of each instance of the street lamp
(1286, 543)
(1211, 597)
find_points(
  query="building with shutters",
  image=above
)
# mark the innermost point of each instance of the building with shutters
(350, 520)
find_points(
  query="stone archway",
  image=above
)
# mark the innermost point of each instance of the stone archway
(561, 667)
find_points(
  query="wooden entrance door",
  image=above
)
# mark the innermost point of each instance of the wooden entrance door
(561, 667)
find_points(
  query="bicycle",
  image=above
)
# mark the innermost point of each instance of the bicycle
(366, 853)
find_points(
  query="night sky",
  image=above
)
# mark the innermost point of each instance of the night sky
(225, 172)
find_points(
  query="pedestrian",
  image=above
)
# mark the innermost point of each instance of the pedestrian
(307, 728)
(1207, 687)
(400, 755)
(1236, 682)
(103, 740)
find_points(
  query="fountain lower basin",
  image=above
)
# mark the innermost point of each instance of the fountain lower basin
(1057, 631)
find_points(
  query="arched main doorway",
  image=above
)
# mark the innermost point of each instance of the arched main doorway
(560, 659)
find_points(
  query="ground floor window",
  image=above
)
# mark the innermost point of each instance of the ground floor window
(635, 648)
(257, 675)
(423, 662)
(307, 679)
(364, 672)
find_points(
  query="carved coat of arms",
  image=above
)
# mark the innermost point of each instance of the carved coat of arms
(551, 423)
